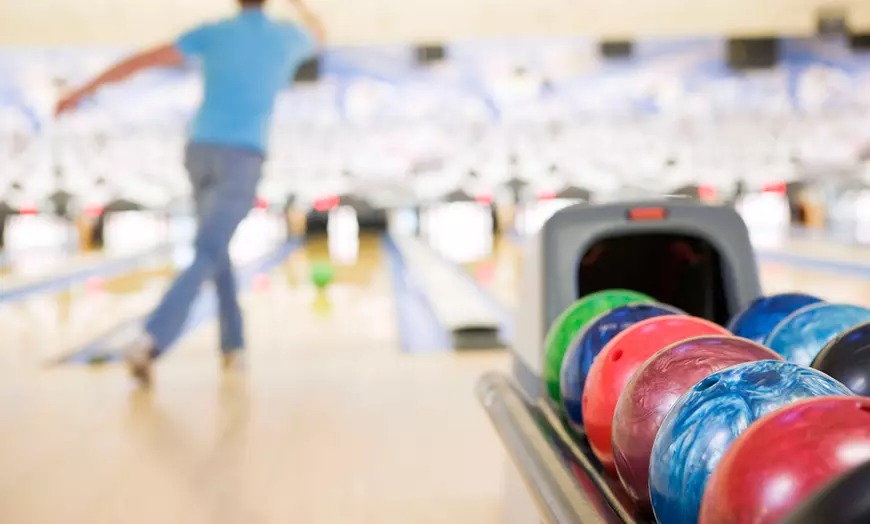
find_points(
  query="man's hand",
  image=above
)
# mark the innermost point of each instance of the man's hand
(69, 102)
(311, 21)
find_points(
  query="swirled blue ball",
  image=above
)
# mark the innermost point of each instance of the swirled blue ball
(709, 417)
(588, 344)
(803, 334)
(760, 317)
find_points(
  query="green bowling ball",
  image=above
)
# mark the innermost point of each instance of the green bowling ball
(99, 359)
(571, 321)
(322, 274)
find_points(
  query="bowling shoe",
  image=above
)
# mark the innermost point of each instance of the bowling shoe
(138, 355)
(234, 360)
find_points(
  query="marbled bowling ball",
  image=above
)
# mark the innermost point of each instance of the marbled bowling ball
(803, 334)
(760, 317)
(616, 364)
(785, 458)
(847, 359)
(589, 343)
(709, 417)
(653, 391)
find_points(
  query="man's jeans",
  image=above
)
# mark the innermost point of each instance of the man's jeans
(224, 182)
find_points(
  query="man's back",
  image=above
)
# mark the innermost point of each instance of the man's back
(246, 61)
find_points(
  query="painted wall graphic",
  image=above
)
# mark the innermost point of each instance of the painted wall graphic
(488, 79)
(495, 106)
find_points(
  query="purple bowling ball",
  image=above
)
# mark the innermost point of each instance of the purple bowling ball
(653, 391)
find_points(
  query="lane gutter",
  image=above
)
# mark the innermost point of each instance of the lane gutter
(420, 331)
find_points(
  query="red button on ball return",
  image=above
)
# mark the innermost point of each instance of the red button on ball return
(647, 214)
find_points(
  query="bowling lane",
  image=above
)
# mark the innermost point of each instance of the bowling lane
(780, 278)
(76, 316)
(812, 264)
(499, 273)
(46, 325)
(822, 249)
(39, 248)
(31, 241)
(334, 423)
(31, 266)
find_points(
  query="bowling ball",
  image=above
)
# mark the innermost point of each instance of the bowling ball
(847, 359)
(322, 274)
(802, 335)
(709, 417)
(98, 359)
(589, 342)
(571, 321)
(618, 361)
(842, 501)
(786, 457)
(759, 318)
(653, 391)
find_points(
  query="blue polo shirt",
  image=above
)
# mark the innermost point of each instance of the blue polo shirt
(246, 61)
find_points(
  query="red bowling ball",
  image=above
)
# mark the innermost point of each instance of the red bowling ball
(617, 362)
(785, 457)
(655, 388)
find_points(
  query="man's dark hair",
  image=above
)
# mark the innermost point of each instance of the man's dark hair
(252, 3)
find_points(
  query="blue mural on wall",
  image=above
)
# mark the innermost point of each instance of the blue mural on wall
(497, 75)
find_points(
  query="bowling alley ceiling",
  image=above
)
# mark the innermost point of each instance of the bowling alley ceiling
(40, 22)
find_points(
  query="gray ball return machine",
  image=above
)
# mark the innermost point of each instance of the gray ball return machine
(692, 256)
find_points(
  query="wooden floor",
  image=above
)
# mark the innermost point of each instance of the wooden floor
(333, 423)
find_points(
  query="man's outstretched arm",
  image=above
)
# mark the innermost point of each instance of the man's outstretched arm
(311, 21)
(163, 56)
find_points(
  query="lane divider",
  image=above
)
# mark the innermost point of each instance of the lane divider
(503, 317)
(103, 269)
(108, 347)
(458, 306)
(420, 331)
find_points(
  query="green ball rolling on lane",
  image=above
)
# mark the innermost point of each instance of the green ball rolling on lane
(322, 274)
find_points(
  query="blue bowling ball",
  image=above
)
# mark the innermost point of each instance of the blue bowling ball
(589, 342)
(802, 335)
(709, 417)
(760, 317)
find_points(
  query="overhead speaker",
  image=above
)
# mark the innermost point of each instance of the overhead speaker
(308, 72)
(860, 42)
(428, 54)
(831, 22)
(752, 53)
(616, 49)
